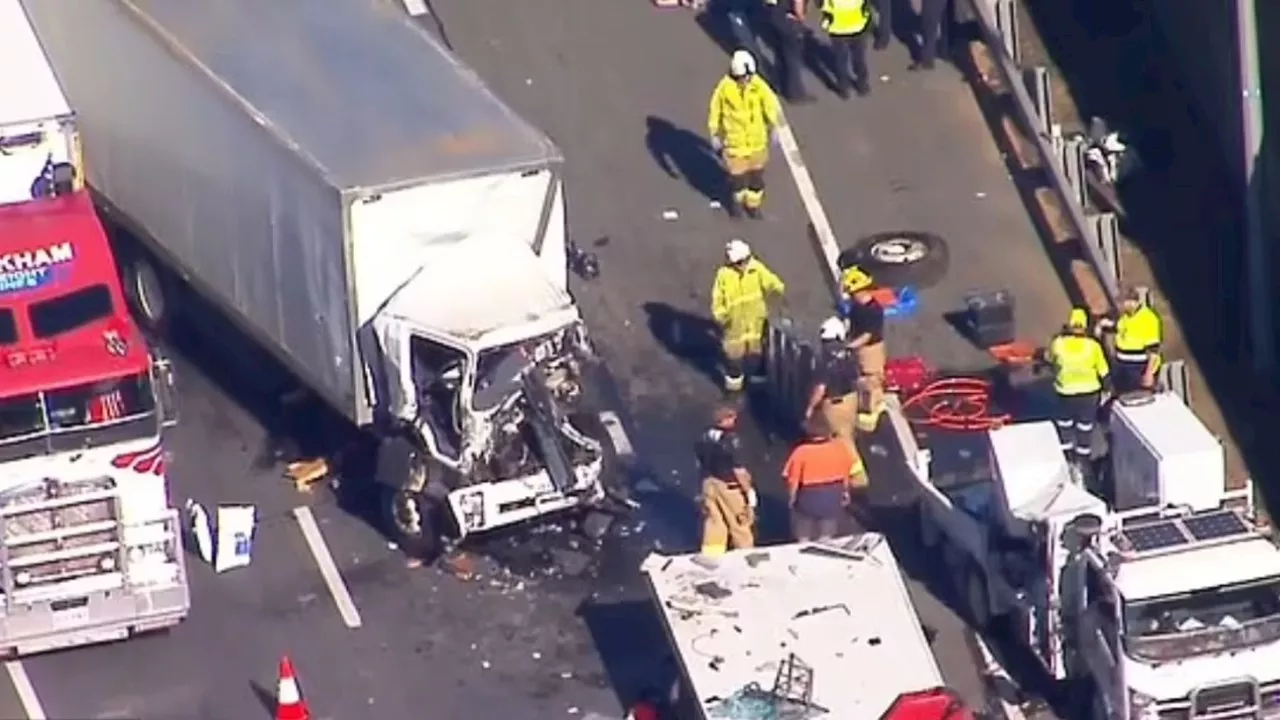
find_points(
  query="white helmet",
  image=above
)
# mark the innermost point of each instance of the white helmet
(737, 250)
(742, 64)
(832, 329)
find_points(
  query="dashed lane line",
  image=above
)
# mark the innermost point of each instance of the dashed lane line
(328, 569)
(26, 691)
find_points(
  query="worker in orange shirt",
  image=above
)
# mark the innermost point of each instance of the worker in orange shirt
(821, 475)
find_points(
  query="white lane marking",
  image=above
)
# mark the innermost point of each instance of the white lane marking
(993, 670)
(809, 197)
(826, 239)
(328, 569)
(415, 7)
(26, 691)
(617, 433)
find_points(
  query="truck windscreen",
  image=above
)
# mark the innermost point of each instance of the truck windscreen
(1210, 620)
(8, 327)
(68, 312)
(83, 416)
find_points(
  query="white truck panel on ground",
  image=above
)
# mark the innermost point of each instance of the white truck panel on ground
(1162, 453)
(841, 607)
(31, 92)
(237, 136)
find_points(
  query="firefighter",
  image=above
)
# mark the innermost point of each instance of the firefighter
(740, 306)
(846, 23)
(728, 500)
(1136, 345)
(835, 389)
(786, 18)
(1080, 376)
(865, 317)
(742, 115)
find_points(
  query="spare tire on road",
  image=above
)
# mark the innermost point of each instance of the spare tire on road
(900, 257)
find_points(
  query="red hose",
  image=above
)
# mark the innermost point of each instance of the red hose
(954, 403)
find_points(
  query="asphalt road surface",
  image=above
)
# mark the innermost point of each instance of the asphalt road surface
(553, 627)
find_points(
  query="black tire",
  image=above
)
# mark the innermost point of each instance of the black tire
(900, 258)
(150, 291)
(412, 519)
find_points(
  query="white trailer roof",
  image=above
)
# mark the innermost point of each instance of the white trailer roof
(31, 92)
(840, 607)
(516, 301)
(355, 87)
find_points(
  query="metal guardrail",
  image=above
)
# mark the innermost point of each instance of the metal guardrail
(1062, 157)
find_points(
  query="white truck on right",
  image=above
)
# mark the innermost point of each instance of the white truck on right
(353, 199)
(1166, 610)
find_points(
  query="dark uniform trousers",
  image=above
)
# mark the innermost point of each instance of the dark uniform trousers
(932, 15)
(1128, 375)
(884, 22)
(1077, 415)
(850, 53)
(789, 38)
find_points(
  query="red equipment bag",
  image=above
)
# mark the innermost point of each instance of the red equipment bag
(906, 375)
(936, 704)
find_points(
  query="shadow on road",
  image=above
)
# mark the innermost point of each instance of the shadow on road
(688, 156)
(692, 339)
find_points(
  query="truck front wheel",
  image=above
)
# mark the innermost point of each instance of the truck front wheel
(413, 518)
(146, 289)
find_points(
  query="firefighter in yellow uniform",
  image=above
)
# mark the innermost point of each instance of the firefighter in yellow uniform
(1138, 334)
(1080, 374)
(743, 113)
(740, 306)
(847, 23)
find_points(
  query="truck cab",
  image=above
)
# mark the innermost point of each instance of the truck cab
(1183, 617)
(90, 550)
(491, 395)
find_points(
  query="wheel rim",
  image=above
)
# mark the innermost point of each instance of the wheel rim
(147, 290)
(899, 251)
(406, 513)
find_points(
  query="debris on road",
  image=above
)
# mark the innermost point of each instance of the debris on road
(226, 543)
(305, 473)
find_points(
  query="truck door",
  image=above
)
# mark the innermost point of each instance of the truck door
(1036, 615)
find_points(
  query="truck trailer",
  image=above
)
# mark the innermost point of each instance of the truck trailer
(90, 546)
(357, 202)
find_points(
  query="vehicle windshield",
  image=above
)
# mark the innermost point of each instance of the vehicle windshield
(8, 327)
(62, 314)
(78, 417)
(1210, 620)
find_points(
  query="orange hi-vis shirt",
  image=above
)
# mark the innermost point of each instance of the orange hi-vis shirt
(820, 463)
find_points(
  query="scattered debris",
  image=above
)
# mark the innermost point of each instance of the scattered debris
(670, 215)
(305, 473)
(460, 565)
(226, 543)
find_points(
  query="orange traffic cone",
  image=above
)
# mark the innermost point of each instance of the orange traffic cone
(289, 703)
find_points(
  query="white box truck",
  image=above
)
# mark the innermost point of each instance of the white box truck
(355, 200)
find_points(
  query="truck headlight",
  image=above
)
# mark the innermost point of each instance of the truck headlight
(22, 578)
(1142, 707)
(107, 564)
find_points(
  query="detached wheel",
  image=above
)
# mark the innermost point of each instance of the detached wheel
(899, 258)
(147, 289)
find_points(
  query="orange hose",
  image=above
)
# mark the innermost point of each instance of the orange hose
(954, 403)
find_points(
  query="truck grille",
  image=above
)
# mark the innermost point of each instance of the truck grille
(57, 531)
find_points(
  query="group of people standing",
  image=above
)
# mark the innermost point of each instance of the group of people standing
(824, 472)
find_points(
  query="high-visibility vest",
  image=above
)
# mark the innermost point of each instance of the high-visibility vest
(1079, 364)
(1137, 334)
(844, 17)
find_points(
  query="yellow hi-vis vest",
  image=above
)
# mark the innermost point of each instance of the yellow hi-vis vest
(844, 17)
(1137, 334)
(1079, 363)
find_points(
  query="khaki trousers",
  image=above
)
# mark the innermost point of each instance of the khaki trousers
(728, 521)
(841, 414)
(871, 360)
(746, 177)
(741, 354)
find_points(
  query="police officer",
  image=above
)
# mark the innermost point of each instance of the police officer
(932, 14)
(1138, 334)
(846, 23)
(728, 499)
(1080, 374)
(786, 17)
(835, 388)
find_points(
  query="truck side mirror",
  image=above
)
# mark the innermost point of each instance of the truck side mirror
(166, 389)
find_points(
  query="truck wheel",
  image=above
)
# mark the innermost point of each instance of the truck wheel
(898, 258)
(412, 518)
(145, 287)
